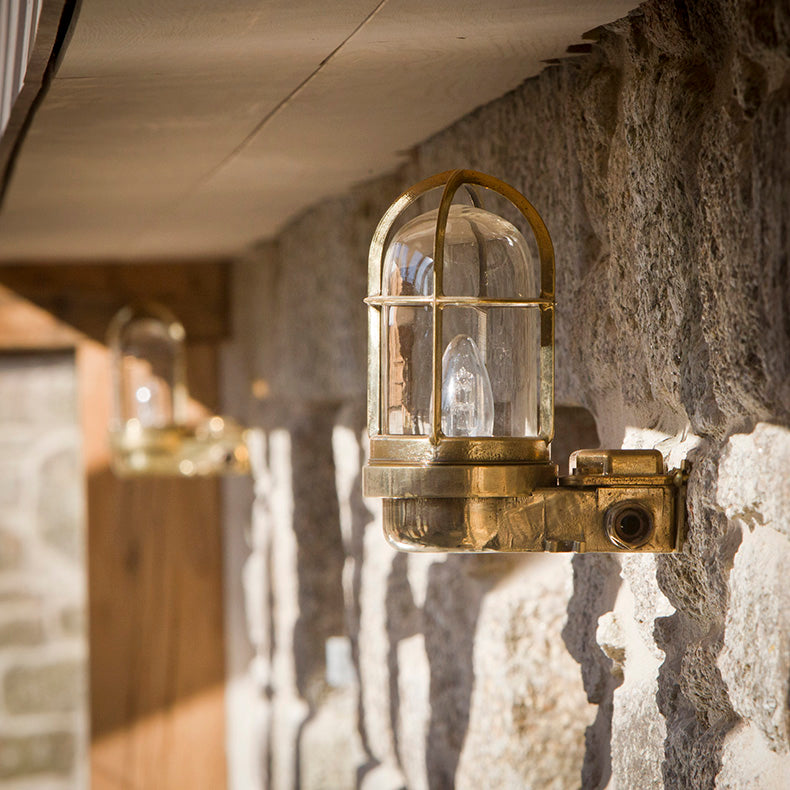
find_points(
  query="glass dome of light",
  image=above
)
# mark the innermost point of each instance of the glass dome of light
(490, 350)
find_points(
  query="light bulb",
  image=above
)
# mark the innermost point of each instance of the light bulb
(467, 399)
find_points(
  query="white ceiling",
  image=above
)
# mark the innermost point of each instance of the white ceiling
(178, 128)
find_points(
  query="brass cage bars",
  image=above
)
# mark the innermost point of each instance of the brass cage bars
(436, 447)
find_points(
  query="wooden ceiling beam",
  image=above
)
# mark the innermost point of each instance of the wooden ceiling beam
(53, 306)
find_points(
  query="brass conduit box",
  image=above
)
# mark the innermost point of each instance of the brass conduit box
(461, 395)
(613, 501)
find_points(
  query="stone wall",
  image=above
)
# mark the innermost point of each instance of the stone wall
(43, 643)
(660, 162)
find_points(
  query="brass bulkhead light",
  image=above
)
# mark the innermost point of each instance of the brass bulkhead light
(461, 394)
(150, 432)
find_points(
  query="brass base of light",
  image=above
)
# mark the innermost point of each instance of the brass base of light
(614, 501)
(420, 450)
(217, 447)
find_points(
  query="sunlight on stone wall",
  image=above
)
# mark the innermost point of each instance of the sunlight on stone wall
(660, 164)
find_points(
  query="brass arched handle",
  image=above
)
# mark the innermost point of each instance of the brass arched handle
(452, 180)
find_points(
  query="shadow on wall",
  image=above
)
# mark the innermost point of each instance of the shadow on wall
(596, 581)
(448, 624)
(696, 709)
(319, 543)
(445, 627)
(414, 729)
(452, 608)
(692, 695)
(320, 559)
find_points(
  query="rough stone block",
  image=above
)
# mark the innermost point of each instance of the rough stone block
(21, 631)
(73, 621)
(11, 550)
(755, 659)
(748, 763)
(329, 750)
(753, 484)
(10, 479)
(60, 504)
(38, 389)
(528, 710)
(45, 688)
(25, 755)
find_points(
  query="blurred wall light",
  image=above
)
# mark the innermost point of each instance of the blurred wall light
(150, 433)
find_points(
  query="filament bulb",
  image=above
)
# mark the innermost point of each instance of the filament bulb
(467, 399)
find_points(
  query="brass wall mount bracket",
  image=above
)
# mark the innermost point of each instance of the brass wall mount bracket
(612, 501)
